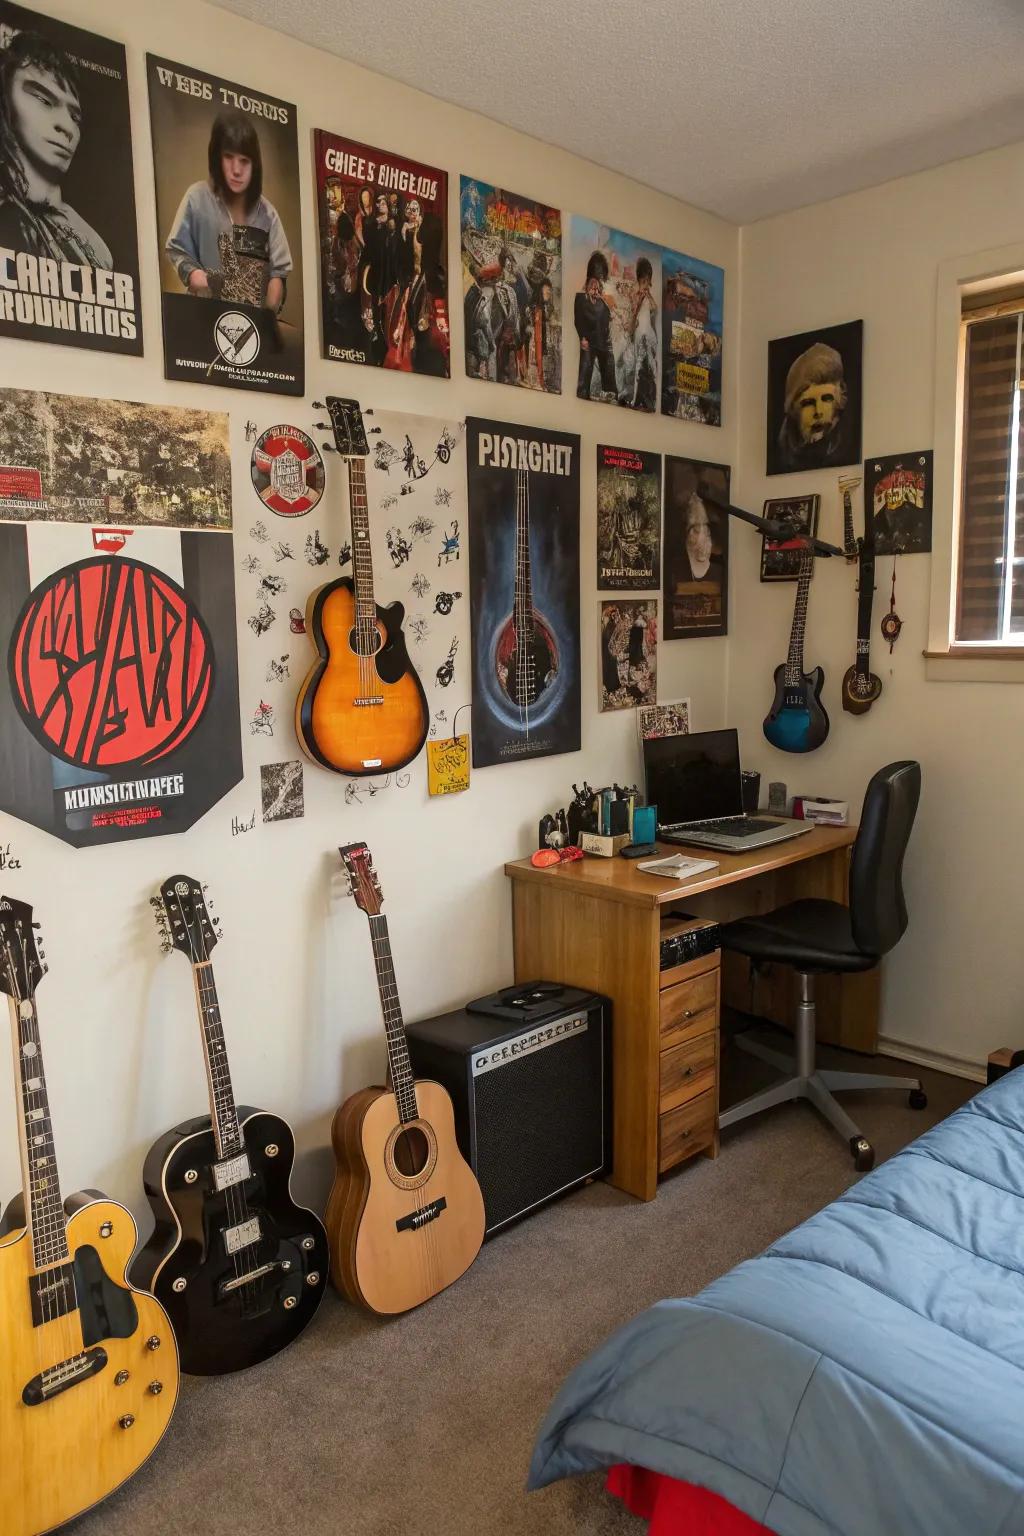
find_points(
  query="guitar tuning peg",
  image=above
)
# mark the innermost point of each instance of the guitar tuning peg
(318, 405)
(375, 429)
(45, 968)
(328, 447)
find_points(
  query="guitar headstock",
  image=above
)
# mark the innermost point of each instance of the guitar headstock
(362, 878)
(346, 426)
(185, 919)
(22, 958)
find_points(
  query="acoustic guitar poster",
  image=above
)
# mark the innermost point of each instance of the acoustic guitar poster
(524, 589)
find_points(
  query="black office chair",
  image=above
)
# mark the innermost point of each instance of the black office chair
(816, 936)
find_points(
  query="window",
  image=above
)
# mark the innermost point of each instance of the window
(990, 568)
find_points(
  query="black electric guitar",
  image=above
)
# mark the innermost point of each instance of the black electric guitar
(238, 1265)
(860, 685)
(797, 721)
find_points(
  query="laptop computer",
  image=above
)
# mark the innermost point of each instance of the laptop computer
(695, 783)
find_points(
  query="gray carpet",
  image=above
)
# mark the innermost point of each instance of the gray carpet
(423, 1425)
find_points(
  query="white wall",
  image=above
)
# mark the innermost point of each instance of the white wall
(294, 969)
(955, 983)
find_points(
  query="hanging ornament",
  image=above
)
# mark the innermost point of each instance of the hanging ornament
(891, 621)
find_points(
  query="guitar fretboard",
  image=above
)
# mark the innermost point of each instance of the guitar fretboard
(45, 1205)
(362, 560)
(795, 662)
(222, 1099)
(403, 1082)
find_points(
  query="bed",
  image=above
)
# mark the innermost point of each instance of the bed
(864, 1376)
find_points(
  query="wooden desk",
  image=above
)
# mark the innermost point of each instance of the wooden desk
(595, 923)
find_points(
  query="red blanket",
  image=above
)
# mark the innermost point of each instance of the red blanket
(678, 1509)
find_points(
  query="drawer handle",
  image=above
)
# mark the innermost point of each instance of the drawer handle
(687, 1013)
(689, 1072)
(683, 1135)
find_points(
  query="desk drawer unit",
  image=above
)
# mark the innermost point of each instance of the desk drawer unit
(690, 1008)
(689, 1129)
(687, 1071)
(688, 1062)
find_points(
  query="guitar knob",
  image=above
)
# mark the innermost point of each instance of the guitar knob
(155, 1388)
(126, 1420)
(153, 1342)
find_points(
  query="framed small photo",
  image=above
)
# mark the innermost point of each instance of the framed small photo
(780, 559)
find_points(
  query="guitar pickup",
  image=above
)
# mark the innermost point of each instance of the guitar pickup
(246, 1233)
(417, 1219)
(232, 1171)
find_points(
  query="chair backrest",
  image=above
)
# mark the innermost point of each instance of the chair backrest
(878, 910)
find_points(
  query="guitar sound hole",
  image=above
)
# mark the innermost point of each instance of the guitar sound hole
(365, 641)
(411, 1152)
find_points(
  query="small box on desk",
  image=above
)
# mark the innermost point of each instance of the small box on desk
(824, 813)
(606, 847)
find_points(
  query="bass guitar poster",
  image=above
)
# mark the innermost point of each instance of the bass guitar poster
(69, 256)
(119, 710)
(226, 166)
(524, 588)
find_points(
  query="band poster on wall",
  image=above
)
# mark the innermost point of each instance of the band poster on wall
(119, 700)
(226, 165)
(628, 519)
(524, 587)
(69, 260)
(383, 257)
(693, 300)
(512, 287)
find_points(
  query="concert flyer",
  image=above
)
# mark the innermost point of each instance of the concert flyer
(383, 257)
(628, 519)
(226, 165)
(69, 257)
(524, 590)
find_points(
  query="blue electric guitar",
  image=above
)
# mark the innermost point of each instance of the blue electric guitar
(797, 721)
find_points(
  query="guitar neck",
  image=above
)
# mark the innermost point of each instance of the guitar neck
(865, 595)
(362, 559)
(403, 1082)
(795, 662)
(849, 539)
(223, 1113)
(524, 583)
(43, 1203)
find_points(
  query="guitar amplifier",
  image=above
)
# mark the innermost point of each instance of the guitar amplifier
(529, 1073)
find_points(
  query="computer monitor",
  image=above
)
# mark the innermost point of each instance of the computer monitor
(693, 778)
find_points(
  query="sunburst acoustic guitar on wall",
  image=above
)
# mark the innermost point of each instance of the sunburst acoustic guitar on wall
(361, 709)
(405, 1216)
(88, 1366)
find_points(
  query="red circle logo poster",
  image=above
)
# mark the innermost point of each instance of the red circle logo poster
(287, 471)
(111, 665)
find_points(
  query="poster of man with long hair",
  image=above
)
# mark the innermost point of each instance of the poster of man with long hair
(227, 195)
(69, 260)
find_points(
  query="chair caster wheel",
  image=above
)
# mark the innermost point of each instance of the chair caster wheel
(863, 1154)
(917, 1098)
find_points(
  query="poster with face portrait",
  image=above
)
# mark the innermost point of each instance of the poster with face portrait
(226, 164)
(69, 259)
(511, 287)
(524, 590)
(898, 493)
(628, 519)
(617, 315)
(383, 257)
(695, 549)
(814, 399)
(629, 653)
(692, 324)
(119, 693)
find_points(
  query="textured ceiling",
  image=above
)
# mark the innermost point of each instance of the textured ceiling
(742, 107)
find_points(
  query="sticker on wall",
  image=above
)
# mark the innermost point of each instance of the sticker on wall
(281, 792)
(629, 653)
(262, 722)
(287, 471)
(448, 765)
(226, 167)
(67, 187)
(71, 459)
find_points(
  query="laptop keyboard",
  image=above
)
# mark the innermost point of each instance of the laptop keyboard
(733, 826)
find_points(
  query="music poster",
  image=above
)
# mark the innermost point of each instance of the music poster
(524, 588)
(628, 519)
(69, 256)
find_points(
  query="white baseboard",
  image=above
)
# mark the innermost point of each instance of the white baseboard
(958, 1066)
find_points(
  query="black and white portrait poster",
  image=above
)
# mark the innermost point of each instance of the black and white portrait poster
(628, 519)
(119, 692)
(225, 160)
(814, 399)
(524, 589)
(898, 494)
(69, 257)
(695, 549)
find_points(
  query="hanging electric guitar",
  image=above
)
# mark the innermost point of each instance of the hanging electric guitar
(88, 1366)
(405, 1216)
(361, 709)
(239, 1266)
(860, 685)
(526, 654)
(797, 721)
(847, 485)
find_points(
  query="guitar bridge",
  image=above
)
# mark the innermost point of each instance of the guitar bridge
(376, 699)
(417, 1219)
(58, 1378)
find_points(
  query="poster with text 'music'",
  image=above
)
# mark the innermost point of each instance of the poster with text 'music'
(226, 167)
(119, 693)
(69, 260)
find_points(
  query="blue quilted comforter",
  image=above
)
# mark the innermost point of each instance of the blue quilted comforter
(863, 1377)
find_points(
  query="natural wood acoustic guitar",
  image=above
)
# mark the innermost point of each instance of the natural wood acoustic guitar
(361, 709)
(405, 1216)
(88, 1365)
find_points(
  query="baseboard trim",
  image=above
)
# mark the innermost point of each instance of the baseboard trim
(957, 1066)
